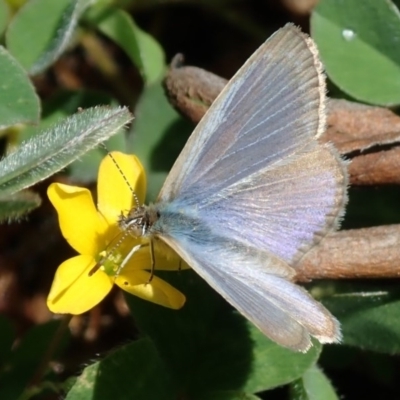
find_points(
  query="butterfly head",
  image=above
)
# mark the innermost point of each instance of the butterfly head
(138, 221)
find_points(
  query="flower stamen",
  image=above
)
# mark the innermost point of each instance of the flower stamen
(107, 262)
(106, 254)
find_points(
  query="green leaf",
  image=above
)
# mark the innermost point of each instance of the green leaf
(41, 31)
(369, 319)
(274, 365)
(134, 371)
(358, 44)
(7, 337)
(205, 346)
(314, 385)
(62, 105)
(143, 49)
(228, 395)
(208, 347)
(157, 136)
(55, 148)
(18, 101)
(25, 359)
(15, 206)
(5, 14)
(56, 108)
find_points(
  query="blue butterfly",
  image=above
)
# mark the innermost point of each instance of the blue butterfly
(253, 190)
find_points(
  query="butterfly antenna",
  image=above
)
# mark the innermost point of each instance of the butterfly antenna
(135, 198)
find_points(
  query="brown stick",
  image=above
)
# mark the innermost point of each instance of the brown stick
(355, 253)
(352, 127)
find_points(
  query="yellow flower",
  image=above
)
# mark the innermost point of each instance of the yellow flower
(83, 281)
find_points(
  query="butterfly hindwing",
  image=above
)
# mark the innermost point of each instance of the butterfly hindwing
(283, 311)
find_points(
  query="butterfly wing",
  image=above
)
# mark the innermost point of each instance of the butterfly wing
(283, 209)
(253, 167)
(270, 109)
(283, 311)
(253, 189)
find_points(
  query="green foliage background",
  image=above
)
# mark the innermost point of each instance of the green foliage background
(206, 351)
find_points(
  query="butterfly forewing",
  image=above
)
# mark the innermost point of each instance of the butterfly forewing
(269, 110)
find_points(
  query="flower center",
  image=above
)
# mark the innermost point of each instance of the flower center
(110, 262)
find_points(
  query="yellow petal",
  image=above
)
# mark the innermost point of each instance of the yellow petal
(118, 177)
(73, 290)
(157, 291)
(79, 221)
(166, 258)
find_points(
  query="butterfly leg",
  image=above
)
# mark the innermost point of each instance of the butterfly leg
(152, 259)
(180, 264)
(127, 258)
